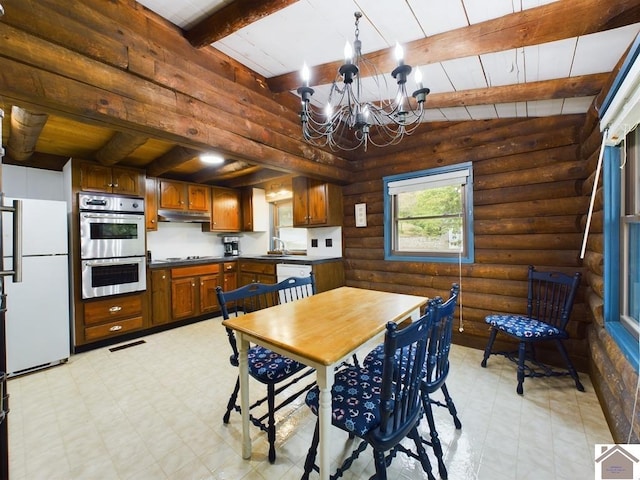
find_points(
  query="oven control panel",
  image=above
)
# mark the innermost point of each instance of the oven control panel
(110, 203)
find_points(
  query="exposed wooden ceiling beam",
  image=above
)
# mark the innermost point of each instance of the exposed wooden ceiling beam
(232, 18)
(230, 168)
(119, 147)
(547, 23)
(25, 130)
(264, 175)
(582, 86)
(170, 160)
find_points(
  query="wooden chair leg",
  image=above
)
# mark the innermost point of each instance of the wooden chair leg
(435, 440)
(311, 454)
(381, 464)
(570, 367)
(271, 427)
(232, 401)
(487, 350)
(451, 406)
(422, 455)
(522, 350)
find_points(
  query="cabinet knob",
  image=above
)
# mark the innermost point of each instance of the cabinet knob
(115, 308)
(153, 221)
(164, 276)
(115, 328)
(115, 185)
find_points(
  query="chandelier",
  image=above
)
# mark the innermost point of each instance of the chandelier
(359, 109)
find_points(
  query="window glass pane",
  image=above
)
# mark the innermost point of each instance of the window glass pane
(430, 220)
(293, 238)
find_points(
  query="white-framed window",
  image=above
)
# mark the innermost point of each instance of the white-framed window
(630, 235)
(428, 215)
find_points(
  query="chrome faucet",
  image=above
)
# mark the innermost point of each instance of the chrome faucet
(282, 244)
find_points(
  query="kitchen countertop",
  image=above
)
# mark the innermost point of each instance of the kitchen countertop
(289, 259)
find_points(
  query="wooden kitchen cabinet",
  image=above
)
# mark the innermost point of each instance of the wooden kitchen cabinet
(193, 290)
(160, 296)
(230, 276)
(225, 211)
(255, 210)
(113, 316)
(250, 272)
(151, 204)
(175, 195)
(95, 177)
(316, 203)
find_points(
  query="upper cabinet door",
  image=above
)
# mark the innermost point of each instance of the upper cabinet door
(225, 210)
(95, 178)
(199, 197)
(172, 195)
(300, 201)
(317, 198)
(127, 181)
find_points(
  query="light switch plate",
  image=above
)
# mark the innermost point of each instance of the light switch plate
(361, 214)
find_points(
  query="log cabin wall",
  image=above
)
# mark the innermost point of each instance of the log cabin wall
(529, 207)
(613, 377)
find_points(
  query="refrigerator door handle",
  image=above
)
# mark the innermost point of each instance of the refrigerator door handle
(16, 271)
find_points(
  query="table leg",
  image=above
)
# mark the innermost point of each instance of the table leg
(244, 394)
(325, 377)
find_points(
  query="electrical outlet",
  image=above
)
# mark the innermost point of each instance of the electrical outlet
(328, 242)
(314, 242)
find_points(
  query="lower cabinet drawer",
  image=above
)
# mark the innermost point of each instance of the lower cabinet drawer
(111, 309)
(113, 328)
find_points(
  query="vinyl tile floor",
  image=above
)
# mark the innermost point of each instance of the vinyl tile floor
(154, 411)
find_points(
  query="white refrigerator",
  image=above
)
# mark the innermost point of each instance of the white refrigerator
(38, 318)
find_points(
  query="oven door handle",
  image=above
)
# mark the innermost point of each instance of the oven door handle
(115, 216)
(99, 263)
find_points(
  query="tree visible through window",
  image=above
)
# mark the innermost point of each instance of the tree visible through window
(428, 215)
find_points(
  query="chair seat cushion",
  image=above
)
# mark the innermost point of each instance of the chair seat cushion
(356, 400)
(269, 367)
(521, 326)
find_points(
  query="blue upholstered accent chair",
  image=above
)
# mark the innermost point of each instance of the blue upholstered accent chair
(275, 371)
(381, 407)
(550, 298)
(436, 369)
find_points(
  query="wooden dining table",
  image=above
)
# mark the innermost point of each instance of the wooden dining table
(321, 331)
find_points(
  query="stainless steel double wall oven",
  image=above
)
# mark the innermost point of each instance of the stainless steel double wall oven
(112, 244)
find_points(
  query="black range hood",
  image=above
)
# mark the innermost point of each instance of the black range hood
(185, 216)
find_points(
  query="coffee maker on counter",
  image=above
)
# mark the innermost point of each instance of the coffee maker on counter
(231, 246)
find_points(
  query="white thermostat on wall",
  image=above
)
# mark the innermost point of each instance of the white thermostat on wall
(361, 214)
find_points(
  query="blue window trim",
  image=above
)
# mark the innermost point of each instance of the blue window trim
(611, 308)
(388, 221)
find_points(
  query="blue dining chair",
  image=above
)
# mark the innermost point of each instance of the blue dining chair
(383, 408)
(436, 369)
(276, 371)
(550, 298)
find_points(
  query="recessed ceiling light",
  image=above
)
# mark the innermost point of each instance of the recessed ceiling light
(211, 158)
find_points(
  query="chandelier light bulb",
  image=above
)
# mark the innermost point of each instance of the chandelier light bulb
(328, 111)
(305, 74)
(348, 52)
(399, 54)
(418, 78)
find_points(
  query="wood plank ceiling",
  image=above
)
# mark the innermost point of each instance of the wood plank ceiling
(482, 59)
